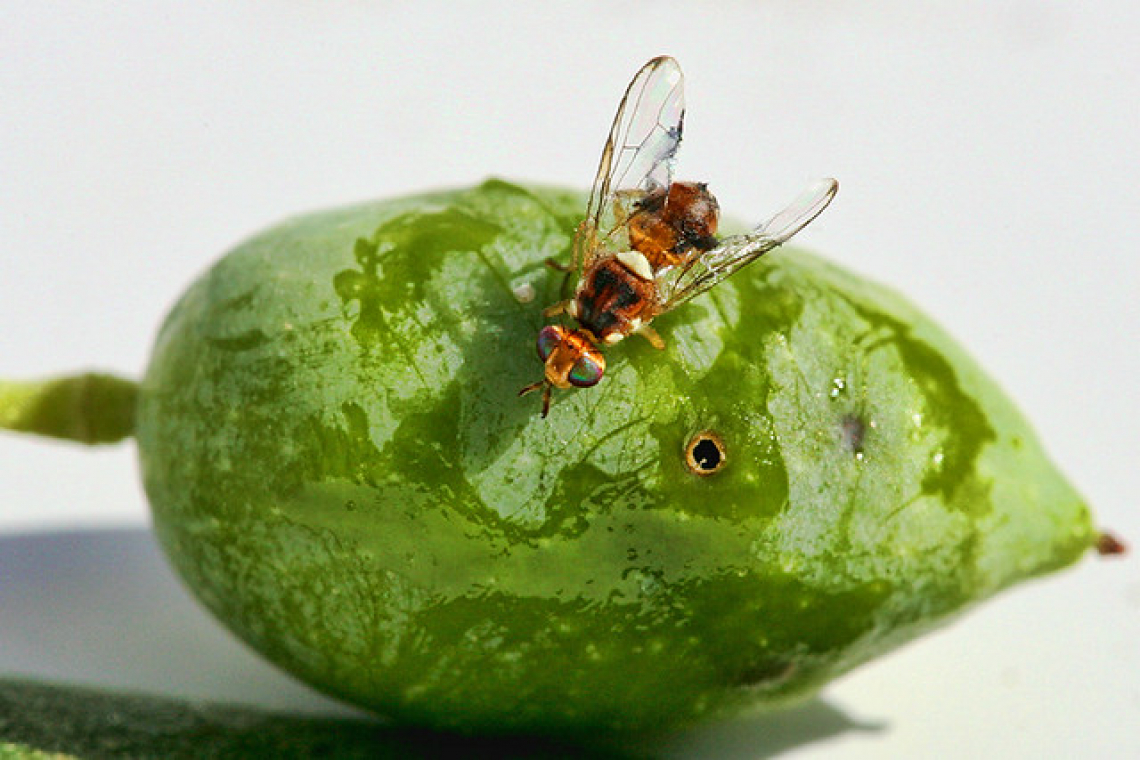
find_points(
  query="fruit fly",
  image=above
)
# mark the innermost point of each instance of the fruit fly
(648, 244)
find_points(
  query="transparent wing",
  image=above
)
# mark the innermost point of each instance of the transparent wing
(678, 284)
(638, 156)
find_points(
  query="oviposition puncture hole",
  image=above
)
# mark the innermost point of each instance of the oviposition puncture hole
(705, 453)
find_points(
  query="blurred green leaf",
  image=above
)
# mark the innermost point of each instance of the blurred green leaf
(42, 721)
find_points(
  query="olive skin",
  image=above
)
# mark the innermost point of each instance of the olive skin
(340, 468)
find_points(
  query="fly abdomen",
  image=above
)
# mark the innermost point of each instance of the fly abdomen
(611, 300)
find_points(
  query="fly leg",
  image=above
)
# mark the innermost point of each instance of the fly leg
(652, 336)
(566, 269)
(545, 394)
(557, 266)
(556, 309)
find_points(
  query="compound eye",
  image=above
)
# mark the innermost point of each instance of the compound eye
(548, 339)
(587, 371)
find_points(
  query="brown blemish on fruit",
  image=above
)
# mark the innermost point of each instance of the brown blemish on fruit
(768, 674)
(852, 431)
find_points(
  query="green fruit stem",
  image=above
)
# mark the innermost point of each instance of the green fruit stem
(91, 408)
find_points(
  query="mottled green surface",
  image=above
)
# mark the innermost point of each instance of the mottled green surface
(341, 470)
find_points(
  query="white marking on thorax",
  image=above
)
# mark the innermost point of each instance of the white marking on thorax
(614, 337)
(636, 263)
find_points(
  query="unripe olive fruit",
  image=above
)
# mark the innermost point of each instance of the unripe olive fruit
(810, 474)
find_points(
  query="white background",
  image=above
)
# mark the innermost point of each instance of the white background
(988, 155)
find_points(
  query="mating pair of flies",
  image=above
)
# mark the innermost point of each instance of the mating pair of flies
(648, 244)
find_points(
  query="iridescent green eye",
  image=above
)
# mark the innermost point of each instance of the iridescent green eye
(587, 371)
(548, 338)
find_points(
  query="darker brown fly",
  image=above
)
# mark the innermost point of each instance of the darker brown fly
(648, 244)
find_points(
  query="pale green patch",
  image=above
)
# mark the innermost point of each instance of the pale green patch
(849, 498)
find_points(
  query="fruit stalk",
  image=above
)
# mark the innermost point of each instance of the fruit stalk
(91, 408)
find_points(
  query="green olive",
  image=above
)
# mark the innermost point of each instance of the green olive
(810, 474)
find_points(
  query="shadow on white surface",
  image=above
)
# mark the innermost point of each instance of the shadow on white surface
(103, 608)
(770, 735)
